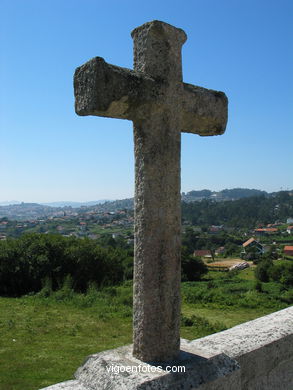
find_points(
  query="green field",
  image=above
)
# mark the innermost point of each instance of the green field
(45, 337)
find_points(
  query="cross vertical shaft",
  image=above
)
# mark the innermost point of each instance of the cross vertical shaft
(157, 239)
(157, 141)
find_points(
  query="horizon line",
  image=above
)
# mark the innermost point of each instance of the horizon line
(15, 202)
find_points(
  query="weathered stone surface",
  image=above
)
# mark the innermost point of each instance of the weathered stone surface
(205, 111)
(198, 369)
(263, 348)
(68, 385)
(249, 336)
(157, 49)
(103, 89)
(160, 105)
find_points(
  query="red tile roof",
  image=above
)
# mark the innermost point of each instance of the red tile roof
(270, 230)
(288, 248)
(248, 242)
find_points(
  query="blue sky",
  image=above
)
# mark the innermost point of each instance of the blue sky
(48, 153)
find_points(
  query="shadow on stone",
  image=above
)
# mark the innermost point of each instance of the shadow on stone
(118, 369)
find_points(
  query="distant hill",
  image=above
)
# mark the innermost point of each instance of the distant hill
(23, 211)
(27, 211)
(232, 194)
(9, 202)
(74, 204)
(246, 212)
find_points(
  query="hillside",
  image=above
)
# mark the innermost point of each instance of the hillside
(242, 213)
(205, 207)
(224, 195)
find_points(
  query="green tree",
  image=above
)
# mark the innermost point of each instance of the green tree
(193, 268)
(263, 270)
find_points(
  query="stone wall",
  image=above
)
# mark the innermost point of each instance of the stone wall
(256, 355)
(262, 347)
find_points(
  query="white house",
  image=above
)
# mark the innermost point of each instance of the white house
(290, 229)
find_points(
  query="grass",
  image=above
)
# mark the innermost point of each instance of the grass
(44, 340)
(45, 337)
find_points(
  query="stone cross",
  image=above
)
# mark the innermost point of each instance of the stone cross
(161, 106)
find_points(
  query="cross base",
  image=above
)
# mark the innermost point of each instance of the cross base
(117, 369)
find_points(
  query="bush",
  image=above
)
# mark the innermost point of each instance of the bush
(258, 286)
(287, 297)
(263, 269)
(202, 324)
(193, 268)
(25, 264)
(66, 292)
(46, 291)
(186, 321)
(282, 273)
(286, 277)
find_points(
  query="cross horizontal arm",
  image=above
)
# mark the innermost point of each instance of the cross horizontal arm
(102, 89)
(205, 111)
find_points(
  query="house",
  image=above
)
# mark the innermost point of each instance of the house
(202, 253)
(288, 250)
(215, 229)
(272, 230)
(82, 226)
(265, 231)
(252, 243)
(290, 229)
(289, 220)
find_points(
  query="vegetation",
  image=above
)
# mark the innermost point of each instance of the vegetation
(193, 268)
(280, 272)
(44, 337)
(27, 262)
(192, 241)
(227, 194)
(35, 260)
(242, 213)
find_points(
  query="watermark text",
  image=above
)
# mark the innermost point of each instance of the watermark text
(116, 369)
